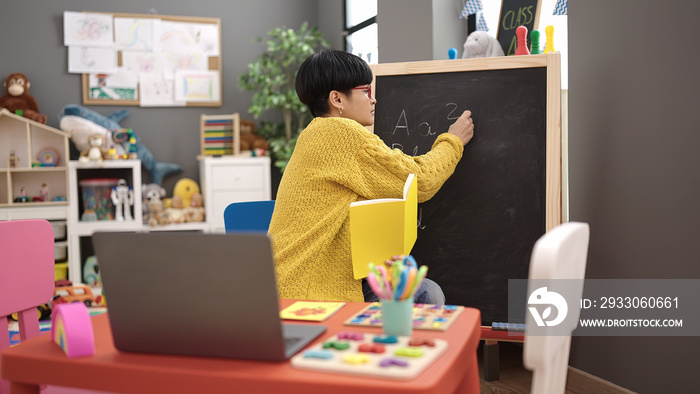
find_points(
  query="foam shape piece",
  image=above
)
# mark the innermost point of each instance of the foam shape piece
(71, 329)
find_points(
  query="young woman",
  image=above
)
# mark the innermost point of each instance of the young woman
(337, 161)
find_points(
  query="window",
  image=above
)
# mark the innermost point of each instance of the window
(361, 29)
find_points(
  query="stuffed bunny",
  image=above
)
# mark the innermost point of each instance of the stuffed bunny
(481, 44)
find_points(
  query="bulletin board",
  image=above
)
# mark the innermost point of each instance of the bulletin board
(146, 60)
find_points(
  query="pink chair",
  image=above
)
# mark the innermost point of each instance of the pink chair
(26, 276)
(27, 280)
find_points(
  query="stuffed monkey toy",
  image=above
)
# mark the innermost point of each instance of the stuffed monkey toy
(17, 98)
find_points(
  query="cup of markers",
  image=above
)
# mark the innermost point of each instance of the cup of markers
(396, 288)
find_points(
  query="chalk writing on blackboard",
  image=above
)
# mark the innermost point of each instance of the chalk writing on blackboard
(516, 13)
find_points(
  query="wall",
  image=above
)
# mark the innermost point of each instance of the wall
(413, 30)
(635, 170)
(32, 43)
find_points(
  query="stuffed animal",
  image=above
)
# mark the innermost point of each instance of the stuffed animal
(250, 140)
(176, 212)
(481, 44)
(150, 191)
(95, 151)
(18, 100)
(81, 122)
(195, 212)
(184, 189)
(157, 215)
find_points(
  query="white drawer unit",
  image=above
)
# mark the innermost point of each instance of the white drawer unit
(232, 179)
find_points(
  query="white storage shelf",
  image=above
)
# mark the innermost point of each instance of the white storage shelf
(232, 179)
(80, 232)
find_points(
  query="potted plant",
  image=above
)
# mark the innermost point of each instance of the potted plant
(272, 78)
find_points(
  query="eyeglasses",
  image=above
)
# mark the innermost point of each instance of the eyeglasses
(368, 90)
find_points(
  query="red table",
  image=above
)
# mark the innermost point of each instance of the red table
(40, 361)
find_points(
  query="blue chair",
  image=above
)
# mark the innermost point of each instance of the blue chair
(248, 216)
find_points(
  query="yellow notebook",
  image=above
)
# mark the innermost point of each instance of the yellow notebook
(383, 227)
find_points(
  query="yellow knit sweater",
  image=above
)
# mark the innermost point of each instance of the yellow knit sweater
(336, 161)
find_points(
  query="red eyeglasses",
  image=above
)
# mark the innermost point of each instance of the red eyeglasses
(368, 90)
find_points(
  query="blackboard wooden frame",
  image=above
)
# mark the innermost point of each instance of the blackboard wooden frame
(548, 68)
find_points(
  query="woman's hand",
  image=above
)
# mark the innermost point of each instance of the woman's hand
(463, 127)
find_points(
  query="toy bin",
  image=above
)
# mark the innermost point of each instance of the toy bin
(97, 200)
(61, 271)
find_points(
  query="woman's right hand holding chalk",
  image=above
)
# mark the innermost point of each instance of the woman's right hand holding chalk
(463, 127)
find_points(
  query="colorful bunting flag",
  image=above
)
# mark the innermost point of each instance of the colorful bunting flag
(559, 8)
(471, 7)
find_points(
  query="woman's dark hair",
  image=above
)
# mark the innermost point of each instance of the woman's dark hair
(329, 70)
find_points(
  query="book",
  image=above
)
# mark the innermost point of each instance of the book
(311, 310)
(382, 228)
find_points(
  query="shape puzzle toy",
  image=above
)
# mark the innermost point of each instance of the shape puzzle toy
(311, 310)
(425, 316)
(383, 356)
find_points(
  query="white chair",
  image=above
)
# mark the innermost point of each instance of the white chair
(561, 253)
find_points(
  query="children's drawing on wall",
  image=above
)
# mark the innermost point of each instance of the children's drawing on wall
(85, 29)
(197, 86)
(133, 34)
(144, 61)
(181, 45)
(118, 86)
(85, 60)
(156, 91)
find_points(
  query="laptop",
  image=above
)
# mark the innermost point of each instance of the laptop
(196, 294)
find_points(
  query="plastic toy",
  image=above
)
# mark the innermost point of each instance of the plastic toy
(122, 198)
(44, 192)
(75, 293)
(82, 122)
(371, 355)
(48, 157)
(13, 160)
(521, 34)
(71, 329)
(91, 273)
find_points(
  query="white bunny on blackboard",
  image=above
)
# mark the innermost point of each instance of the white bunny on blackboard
(481, 44)
(337, 161)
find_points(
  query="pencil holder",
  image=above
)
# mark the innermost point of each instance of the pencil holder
(397, 317)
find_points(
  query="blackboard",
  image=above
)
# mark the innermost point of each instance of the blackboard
(479, 229)
(516, 13)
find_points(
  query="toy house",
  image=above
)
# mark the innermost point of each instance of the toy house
(33, 164)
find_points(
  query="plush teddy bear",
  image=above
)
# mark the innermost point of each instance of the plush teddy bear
(157, 215)
(176, 211)
(150, 191)
(18, 100)
(481, 44)
(96, 150)
(250, 140)
(195, 212)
